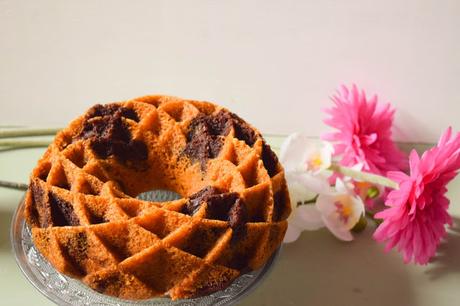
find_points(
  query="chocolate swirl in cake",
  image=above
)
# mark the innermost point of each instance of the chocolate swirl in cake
(204, 136)
(50, 209)
(109, 135)
(224, 206)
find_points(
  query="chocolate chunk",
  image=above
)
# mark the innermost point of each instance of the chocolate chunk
(222, 122)
(62, 212)
(99, 110)
(51, 210)
(214, 124)
(196, 199)
(237, 214)
(41, 204)
(110, 128)
(204, 136)
(110, 136)
(138, 150)
(269, 159)
(279, 206)
(220, 206)
(133, 150)
(103, 149)
(243, 131)
(93, 128)
(203, 141)
(203, 124)
(203, 147)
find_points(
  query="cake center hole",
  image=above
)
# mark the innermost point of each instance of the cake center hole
(159, 195)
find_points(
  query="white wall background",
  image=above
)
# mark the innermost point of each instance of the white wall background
(273, 62)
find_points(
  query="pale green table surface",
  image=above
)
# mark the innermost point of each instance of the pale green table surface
(316, 270)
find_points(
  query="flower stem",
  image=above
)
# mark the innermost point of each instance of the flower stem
(360, 225)
(372, 216)
(24, 143)
(364, 176)
(311, 201)
(28, 132)
(13, 185)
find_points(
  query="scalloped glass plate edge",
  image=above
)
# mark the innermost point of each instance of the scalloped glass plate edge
(63, 290)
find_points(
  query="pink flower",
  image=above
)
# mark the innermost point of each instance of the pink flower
(364, 132)
(417, 214)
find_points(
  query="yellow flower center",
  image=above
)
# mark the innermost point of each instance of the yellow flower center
(315, 162)
(344, 208)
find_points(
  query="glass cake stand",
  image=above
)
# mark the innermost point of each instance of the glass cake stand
(64, 290)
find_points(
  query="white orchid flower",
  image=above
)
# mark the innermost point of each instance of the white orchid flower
(302, 154)
(304, 161)
(306, 164)
(340, 211)
(303, 218)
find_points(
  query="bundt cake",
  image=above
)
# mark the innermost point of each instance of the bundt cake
(87, 222)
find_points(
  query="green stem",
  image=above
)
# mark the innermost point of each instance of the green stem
(360, 225)
(13, 185)
(372, 216)
(24, 143)
(28, 132)
(364, 176)
(311, 201)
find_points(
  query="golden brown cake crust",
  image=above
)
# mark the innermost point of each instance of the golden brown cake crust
(87, 222)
